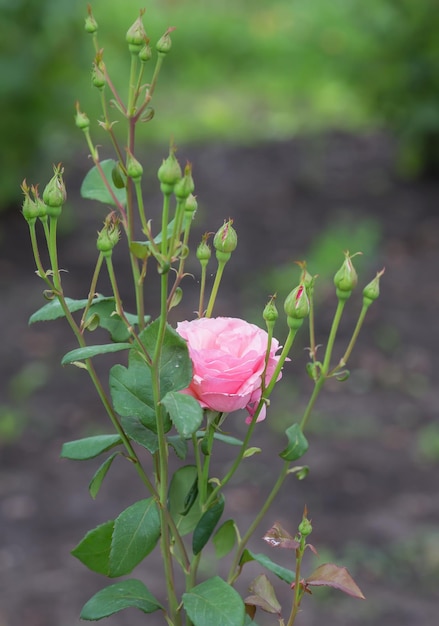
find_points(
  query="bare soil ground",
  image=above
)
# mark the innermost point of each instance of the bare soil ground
(373, 489)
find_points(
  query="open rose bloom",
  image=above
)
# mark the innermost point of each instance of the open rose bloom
(228, 358)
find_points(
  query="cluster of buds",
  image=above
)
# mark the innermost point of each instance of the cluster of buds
(50, 205)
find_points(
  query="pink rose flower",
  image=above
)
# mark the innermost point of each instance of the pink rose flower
(228, 358)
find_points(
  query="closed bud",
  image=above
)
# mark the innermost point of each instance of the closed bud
(169, 172)
(98, 74)
(226, 238)
(54, 194)
(91, 26)
(164, 44)
(305, 527)
(81, 119)
(346, 278)
(203, 251)
(270, 313)
(136, 35)
(109, 235)
(134, 168)
(372, 291)
(296, 305)
(306, 279)
(29, 207)
(191, 206)
(145, 53)
(185, 186)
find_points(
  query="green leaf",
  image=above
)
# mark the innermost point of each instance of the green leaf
(232, 441)
(110, 320)
(206, 525)
(89, 447)
(96, 481)
(225, 538)
(283, 573)
(297, 444)
(131, 391)
(94, 188)
(131, 387)
(181, 485)
(94, 549)
(135, 535)
(53, 310)
(80, 354)
(175, 364)
(214, 602)
(140, 434)
(185, 412)
(179, 445)
(250, 452)
(115, 598)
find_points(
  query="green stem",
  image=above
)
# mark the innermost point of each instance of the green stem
(92, 291)
(216, 284)
(234, 568)
(343, 361)
(40, 270)
(325, 367)
(202, 289)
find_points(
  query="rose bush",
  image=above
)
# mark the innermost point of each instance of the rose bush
(228, 357)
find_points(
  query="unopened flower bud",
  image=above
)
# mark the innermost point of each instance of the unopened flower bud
(136, 36)
(225, 241)
(270, 313)
(203, 251)
(98, 74)
(134, 168)
(191, 206)
(296, 305)
(185, 186)
(169, 172)
(305, 527)
(145, 53)
(91, 26)
(372, 291)
(81, 119)
(108, 236)
(54, 194)
(29, 206)
(346, 278)
(164, 43)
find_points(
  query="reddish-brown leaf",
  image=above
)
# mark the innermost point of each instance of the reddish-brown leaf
(330, 575)
(278, 537)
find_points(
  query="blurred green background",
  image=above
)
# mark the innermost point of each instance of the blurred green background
(239, 70)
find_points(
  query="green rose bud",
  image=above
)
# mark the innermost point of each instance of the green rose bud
(98, 74)
(203, 251)
(109, 235)
(185, 186)
(29, 207)
(164, 44)
(270, 312)
(136, 36)
(169, 172)
(81, 119)
(225, 241)
(145, 53)
(91, 26)
(54, 194)
(372, 291)
(305, 527)
(296, 305)
(134, 168)
(346, 278)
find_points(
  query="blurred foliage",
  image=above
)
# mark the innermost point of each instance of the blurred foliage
(239, 70)
(395, 71)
